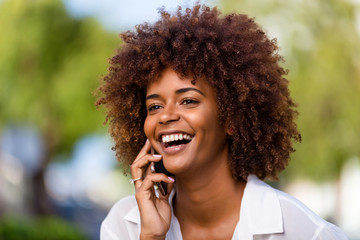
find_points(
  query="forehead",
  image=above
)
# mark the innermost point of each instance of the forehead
(170, 81)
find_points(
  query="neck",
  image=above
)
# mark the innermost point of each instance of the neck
(208, 198)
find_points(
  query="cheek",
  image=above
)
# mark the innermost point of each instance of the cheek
(211, 125)
(205, 121)
(148, 128)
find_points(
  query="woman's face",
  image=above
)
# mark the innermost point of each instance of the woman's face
(182, 123)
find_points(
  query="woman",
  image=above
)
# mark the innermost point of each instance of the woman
(207, 96)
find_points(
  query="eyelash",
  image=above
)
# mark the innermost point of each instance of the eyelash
(187, 101)
(153, 107)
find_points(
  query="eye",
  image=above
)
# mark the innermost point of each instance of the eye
(153, 107)
(189, 101)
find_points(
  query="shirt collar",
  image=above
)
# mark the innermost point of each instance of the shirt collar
(260, 210)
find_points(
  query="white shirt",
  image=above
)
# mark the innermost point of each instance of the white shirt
(265, 214)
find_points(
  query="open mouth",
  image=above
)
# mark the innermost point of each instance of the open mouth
(177, 139)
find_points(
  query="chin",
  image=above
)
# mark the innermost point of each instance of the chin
(175, 166)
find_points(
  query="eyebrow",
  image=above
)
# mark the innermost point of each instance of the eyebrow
(183, 90)
(179, 91)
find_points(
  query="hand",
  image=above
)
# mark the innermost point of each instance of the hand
(155, 212)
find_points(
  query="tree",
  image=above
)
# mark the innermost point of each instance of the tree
(50, 64)
(321, 46)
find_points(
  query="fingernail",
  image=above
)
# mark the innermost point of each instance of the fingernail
(157, 155)
(171, 179)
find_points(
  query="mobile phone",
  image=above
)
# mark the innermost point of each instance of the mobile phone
(158, 167)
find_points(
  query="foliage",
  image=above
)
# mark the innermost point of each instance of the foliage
(321, 46)
(50, 64)
(12, 228)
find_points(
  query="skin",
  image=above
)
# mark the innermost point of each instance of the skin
(208, 199)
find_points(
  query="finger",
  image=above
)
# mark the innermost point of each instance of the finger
(137, 169)
(144, 150)
(145, 160)
(170, 187)
(139, 160)
(151, 179)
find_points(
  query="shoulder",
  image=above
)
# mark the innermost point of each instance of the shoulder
(124, 205)
(298, 219)
(269, 213)
(122, 220)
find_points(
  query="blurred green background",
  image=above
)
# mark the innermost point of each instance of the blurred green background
(51, 61)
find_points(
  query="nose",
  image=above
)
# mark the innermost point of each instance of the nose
(168, 115)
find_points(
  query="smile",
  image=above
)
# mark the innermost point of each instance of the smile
(175, 139)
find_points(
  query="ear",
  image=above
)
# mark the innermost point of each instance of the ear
(229, 129)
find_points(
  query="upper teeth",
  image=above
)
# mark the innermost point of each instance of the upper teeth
(175, 137)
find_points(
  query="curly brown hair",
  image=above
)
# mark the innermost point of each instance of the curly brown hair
(236, 58)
